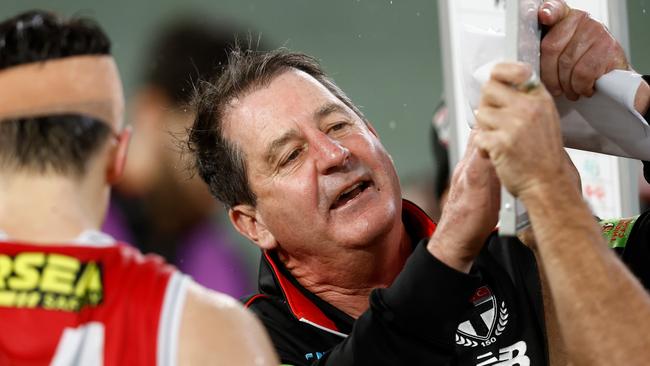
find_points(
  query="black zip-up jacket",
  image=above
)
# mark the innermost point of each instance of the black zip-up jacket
(431, 314)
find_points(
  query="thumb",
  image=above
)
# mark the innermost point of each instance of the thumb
(553, 11)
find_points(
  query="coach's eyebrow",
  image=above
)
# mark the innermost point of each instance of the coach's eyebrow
(322, 112)
(275, 146)
(328, 109)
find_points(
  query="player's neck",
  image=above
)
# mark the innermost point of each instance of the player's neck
(347, 281)
(51, 209)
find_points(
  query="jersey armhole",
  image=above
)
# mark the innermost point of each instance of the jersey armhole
(170, 319)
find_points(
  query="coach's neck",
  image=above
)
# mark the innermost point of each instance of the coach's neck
(346, 280)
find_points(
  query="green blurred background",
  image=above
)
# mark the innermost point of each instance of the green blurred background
(384, 53)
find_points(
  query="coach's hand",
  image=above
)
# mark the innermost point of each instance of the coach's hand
(520, 131)
(471, 211)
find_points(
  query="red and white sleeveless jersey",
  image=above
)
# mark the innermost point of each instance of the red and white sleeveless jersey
(81, 304)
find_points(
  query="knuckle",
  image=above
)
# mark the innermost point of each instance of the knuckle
(602, 33)
(473, 175)
(581, 89)
(522, 72)
(581, 15)
(611, 46)
(592, 22)
(459, 175)
(565, 61)
(583, 75)
(550, 47)
(499, 67)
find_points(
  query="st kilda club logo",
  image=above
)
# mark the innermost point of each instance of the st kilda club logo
(487, 321)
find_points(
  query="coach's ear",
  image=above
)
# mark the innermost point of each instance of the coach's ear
(249, 223)
(117, 161)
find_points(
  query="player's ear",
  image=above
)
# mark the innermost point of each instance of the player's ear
(247, 220)
(118, 156)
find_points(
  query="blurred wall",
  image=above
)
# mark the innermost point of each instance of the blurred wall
(383, 53)
(639, 24)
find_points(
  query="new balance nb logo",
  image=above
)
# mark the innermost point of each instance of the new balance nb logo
(514, 355)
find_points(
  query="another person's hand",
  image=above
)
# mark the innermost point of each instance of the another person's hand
(471, 211)
(520, 131)
(576, 51)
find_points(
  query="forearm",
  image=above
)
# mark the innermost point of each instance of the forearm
(599, 304)
(557, 349)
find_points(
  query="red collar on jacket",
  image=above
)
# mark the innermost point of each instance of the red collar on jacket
(417, 224)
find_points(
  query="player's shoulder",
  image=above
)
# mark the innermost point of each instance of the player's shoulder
(218, 321)
(130, 258)
(206, 307)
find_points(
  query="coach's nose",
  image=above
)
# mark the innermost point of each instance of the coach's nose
(331, 154)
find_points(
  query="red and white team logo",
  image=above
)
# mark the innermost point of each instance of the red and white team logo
(486, 322)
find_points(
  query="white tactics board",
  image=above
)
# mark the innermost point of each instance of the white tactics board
(609, 183)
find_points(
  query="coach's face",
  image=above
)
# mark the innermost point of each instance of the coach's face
(323, 180)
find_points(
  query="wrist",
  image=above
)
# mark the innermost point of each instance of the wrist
(560, 189)
(451, 254)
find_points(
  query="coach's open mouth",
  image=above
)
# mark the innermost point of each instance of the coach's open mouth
(350, 193)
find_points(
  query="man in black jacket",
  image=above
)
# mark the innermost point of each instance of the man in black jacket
(351, 274)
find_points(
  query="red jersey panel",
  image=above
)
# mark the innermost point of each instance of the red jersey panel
(87, 305)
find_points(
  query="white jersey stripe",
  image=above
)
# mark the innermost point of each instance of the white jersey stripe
(82, 346)
(170, 320)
